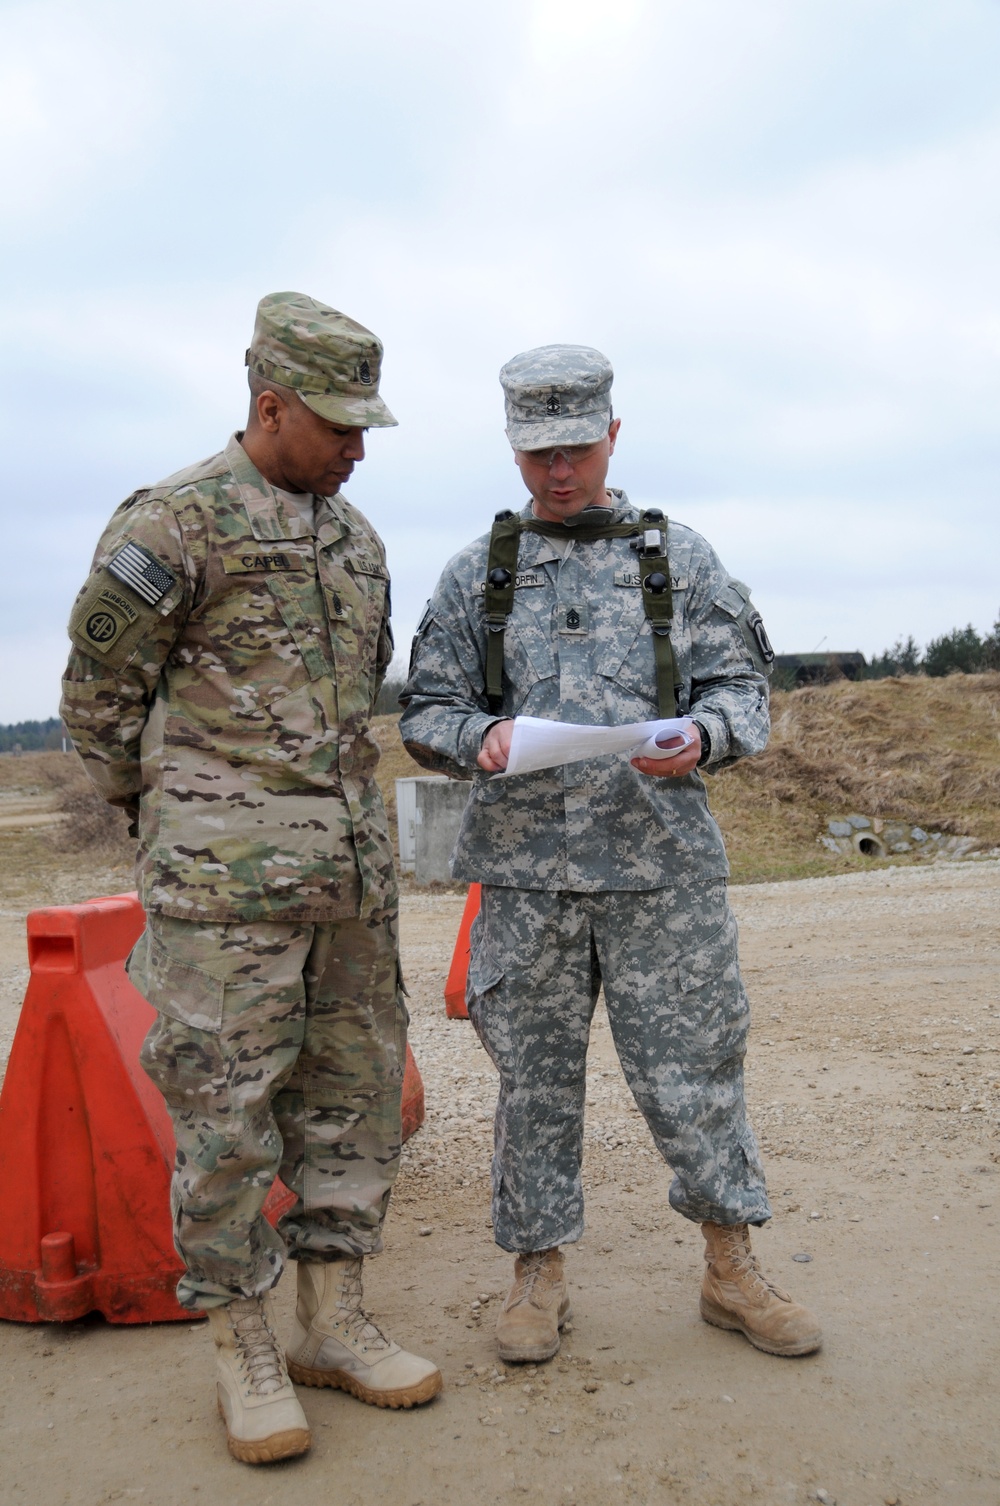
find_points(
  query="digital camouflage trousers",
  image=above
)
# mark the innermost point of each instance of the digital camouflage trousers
(679, 1017)
(279, 1050)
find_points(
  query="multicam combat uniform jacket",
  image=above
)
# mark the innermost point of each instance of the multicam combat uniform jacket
(224, 668)
(578, 648)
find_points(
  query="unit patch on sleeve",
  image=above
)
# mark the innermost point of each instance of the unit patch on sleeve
(141, 573)
(110, 615)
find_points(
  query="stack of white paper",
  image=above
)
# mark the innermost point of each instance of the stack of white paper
(539, 744)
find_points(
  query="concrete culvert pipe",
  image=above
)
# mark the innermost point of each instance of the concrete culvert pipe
(868, 845)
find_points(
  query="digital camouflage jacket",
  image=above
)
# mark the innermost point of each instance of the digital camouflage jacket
(224, 667)
(578, 648)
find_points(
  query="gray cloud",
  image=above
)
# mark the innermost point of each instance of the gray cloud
(779, 221)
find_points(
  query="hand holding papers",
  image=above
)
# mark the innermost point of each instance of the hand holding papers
(540, 744)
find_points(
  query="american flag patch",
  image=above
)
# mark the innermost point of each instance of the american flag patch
(146, 576)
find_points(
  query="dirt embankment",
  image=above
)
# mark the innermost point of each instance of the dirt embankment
(925, 750)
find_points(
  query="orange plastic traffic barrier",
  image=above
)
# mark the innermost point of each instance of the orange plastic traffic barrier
(454, 989)
(413, 1096)
(86, 1143)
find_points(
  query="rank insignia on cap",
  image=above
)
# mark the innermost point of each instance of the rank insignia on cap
(365, 373)
(553, 404)
(142, 573)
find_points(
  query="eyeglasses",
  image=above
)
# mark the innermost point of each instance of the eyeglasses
(571, 453)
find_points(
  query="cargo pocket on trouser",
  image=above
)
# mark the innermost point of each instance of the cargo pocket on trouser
(713, 1010)
(486, 1002)
(402, 1016)
(713, 1151)
(183, 1053)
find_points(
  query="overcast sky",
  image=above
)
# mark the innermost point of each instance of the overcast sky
(779, 219)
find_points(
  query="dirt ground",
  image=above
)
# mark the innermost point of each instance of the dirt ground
(874, 1082)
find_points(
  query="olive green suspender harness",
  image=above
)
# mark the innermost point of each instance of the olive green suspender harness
(649, 540)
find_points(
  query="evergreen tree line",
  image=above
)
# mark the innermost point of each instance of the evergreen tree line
(31, 736)
(961, 649)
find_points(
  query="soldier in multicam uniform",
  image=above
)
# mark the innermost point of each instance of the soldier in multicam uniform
(602, 872)
(228, 648)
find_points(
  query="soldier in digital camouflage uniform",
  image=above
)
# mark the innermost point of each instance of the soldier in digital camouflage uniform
(603, 871)
(228, 648)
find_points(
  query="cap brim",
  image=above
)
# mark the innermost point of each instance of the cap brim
(542, 434)
(358, 412)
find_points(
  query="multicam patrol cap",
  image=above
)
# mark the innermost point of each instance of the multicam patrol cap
(332, 362)
(557, 394)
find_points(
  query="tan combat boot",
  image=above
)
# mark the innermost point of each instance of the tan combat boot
(736, 1294)
(536, 1308)
(335, 1343)
(257, 1401)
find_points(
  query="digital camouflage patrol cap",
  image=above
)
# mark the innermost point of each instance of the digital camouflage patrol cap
(557, 394)
(332, 362)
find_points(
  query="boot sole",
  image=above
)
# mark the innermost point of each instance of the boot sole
(270, 1450)
(720, 1318)
(528, 1354)
(339, 1380)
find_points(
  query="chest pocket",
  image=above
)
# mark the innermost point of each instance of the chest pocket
(299, 604)
(355, 589)
(266, 630)
(528, 654)
(625, 653)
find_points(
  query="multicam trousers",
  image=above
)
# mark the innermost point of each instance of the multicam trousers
(679, 1017)
(279, 1050)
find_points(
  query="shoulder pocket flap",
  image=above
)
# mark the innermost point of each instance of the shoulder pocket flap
(710, 959)
(174, 988)
(733, 598)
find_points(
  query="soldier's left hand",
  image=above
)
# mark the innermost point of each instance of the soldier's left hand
(682, 763)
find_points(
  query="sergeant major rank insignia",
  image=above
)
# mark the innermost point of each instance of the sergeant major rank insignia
(552, 403)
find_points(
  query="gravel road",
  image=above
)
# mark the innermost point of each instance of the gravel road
(874, 1081)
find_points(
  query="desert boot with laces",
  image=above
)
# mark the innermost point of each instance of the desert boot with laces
(535, 1309)
(336, 1343)
(257, 1401)
(736, 1294)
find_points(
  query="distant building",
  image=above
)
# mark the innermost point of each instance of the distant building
(792, 670)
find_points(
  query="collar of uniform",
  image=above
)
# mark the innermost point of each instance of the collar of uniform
(536, 549)
(331, 521)
(268, 519)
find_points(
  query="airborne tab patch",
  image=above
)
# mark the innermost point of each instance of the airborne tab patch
(143, 574)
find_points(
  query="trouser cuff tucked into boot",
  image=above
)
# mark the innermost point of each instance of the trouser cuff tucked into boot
(336, 1343)
(536, 1308)
(736, 1294)
(257, 1401)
